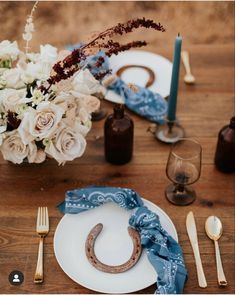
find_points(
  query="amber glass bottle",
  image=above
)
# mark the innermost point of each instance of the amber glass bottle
(118, 136)
(225, 151)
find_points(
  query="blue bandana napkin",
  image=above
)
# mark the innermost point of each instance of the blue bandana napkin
(163, 251)
(143, 102)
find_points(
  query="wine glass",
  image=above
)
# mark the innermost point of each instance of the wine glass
(183, 168)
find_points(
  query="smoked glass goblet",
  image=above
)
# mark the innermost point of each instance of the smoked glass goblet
(183, 169)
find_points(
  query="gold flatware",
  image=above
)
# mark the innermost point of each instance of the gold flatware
(214, 230)
(188, 78)
(192, 233)
(42, 229)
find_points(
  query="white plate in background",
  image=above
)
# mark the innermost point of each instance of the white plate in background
(160, 65)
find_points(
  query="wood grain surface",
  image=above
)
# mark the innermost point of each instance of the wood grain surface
(202, 109)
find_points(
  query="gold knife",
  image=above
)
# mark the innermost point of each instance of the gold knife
(192, 233)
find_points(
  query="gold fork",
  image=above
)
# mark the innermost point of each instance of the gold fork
(42, 229)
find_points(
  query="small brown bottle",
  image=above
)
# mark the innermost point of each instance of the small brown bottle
(118, 136)
(225, 151)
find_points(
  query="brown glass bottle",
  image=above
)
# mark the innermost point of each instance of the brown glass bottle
(118, 136)
(225, 151)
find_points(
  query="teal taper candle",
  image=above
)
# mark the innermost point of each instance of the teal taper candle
(172, 102)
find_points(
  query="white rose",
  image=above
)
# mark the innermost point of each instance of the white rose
(69, 104)
(74, 114)
(2, 70)
(83, 128)
(89, 102)
(40, 157)
(36, 71)
(85, 83)
(64, 85)
(40, 123)
(34, 57)
(83, 115)
(35, 155)
(13, 78)
(10, 99)
(3, 82)
(13, 149)
(8, 50)
(65, 100)
(77, 109)
(67, 145)
(48, 54)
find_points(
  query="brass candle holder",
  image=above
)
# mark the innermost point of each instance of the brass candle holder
(169, 132)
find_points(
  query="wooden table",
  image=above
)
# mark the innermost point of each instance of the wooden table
(203, 109)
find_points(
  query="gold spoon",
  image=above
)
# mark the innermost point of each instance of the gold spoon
(188, 78)
(214, 229)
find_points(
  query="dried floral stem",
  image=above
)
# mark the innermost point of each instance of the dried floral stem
(72, 63)
(126, 28)
(29, 22)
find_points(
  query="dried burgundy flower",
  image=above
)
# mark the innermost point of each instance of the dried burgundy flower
(120, 47)
(101, 75)
(76, 60)
(12, 121)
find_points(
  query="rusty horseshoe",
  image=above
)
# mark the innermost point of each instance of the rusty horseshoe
(152, 76)
(90, 253)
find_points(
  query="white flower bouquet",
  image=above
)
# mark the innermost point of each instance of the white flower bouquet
(46, 98)
(34, 124)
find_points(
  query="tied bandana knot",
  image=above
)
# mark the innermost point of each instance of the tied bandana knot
(149, 227)
(163, 251)
(143, 101)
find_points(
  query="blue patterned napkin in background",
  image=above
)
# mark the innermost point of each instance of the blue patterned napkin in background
(143, 102)
(163, 252)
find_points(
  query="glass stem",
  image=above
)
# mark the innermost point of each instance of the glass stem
(179, 188)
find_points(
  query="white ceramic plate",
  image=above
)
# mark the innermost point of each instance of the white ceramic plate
(161, 67)
(113, 247)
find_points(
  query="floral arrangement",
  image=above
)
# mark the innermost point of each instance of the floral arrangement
(46, 98)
